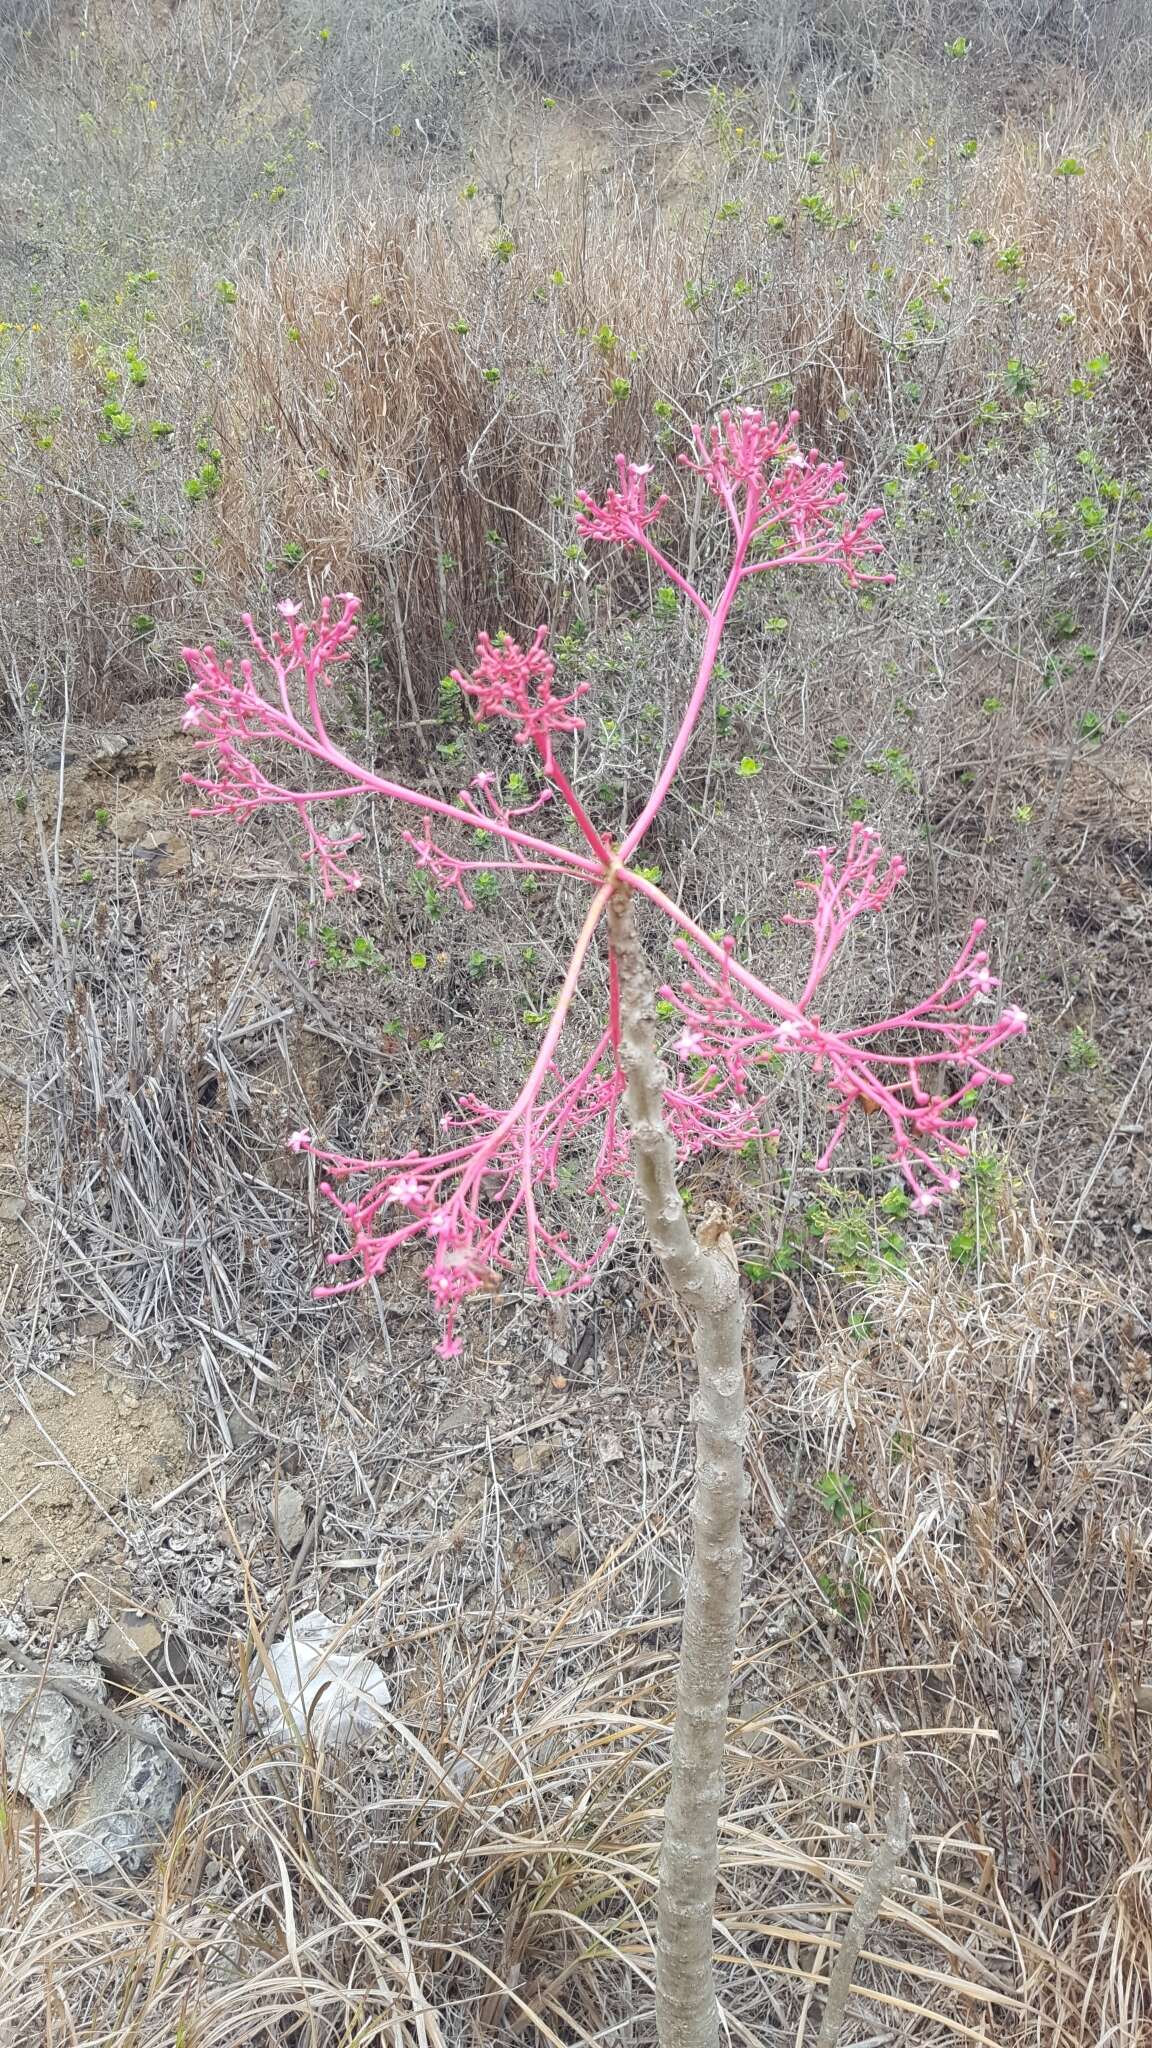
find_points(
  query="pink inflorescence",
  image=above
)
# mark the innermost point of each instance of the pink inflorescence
(466, 1200)
(510, 681)
(777, 498)
(447, 870)
(228, 714)
(889, 1066)
(625, 513)
(791, 501)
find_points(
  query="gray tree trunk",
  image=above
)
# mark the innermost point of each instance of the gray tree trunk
(702, 1273)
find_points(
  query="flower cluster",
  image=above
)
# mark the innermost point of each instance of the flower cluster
(742, 448)
(466, 1201)
(776, 497)
(228, 715)
(447, 870)
(734, 1025)
(510, 681)
(625, 513)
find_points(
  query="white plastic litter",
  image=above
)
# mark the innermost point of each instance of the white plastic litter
(330, 1698)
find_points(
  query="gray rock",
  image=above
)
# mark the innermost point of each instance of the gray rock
(290, 1517)
(45, 1740)
(131, 1651)
(124, 1812)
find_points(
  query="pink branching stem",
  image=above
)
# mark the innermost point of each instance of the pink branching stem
(448, 1194)
(919, 1069)
(679, 747)
(227, 716)
(764, 483)
(736, 1036)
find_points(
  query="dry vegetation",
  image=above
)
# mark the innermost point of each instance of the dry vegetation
(284, 312)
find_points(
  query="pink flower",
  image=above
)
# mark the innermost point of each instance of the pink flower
(980, 982)
(300, 1141)
(625, 513)
(742, 448)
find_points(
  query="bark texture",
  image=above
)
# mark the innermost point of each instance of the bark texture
(702, 1273)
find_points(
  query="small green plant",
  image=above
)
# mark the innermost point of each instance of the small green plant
(1082, 1053)
(846, 1504)
(206, 481)
(1094, 372)
(858, 1238)
(982, 1193)
(1018, 378)
(1091, 728)
(120, 424)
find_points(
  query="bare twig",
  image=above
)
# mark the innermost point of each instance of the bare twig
(878, 1879)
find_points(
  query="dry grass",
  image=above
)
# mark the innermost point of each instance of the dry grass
(391, 405)
(490, 1877)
